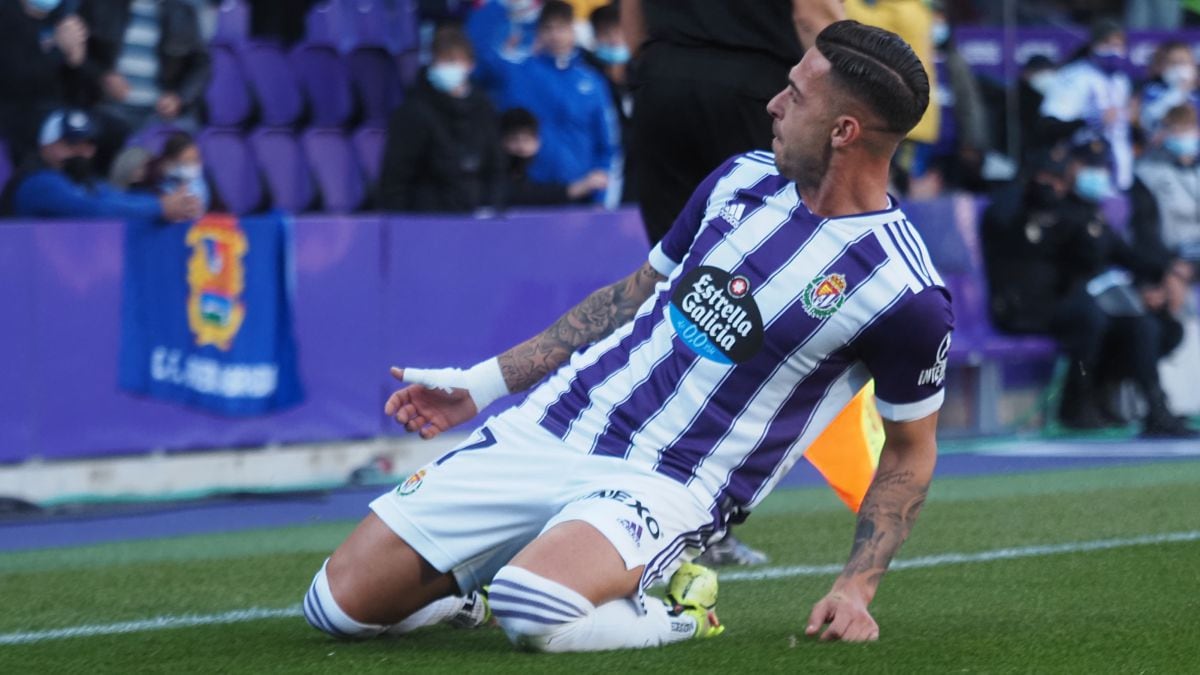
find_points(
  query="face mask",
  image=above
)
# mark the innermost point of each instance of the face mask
(613, 55)
(78, 169)
(193, 183)
(1108, 59)
(941, 33)
(46, 6)
(521, 11)
(1180, 76)
(1183, 147)
(446, 77)
(1093, 184)
(1042, 82)
(185, 173)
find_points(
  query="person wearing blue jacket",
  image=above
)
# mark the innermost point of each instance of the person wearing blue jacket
(60, 182)
(502, 32)
(570, 100)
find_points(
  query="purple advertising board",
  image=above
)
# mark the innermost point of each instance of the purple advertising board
(370, 292)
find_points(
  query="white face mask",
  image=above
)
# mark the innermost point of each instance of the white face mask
(446, 77)
(186, 172)
(1180, 75)
(1042, 82)
(46, 6)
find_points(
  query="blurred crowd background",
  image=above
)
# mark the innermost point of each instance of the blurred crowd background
(1081, 144)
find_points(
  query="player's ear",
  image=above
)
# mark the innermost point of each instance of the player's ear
(846, 130)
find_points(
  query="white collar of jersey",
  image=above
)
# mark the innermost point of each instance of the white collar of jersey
(866, 218)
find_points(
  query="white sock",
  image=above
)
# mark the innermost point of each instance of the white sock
(543, 615)
(324, 614)
(442, 611)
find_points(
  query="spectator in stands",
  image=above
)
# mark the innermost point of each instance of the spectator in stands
(1173, 82)
(42, 46)
(962, 143)
(179, 168)
(443, 147)
(521, 142)
(570, 100)
(147, 62)
(1093, 88)
(502, 31)
(1166, 196)
(60, 182)
(1049, 252)
(610, 57)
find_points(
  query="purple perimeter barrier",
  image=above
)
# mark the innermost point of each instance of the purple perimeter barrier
(370, 292)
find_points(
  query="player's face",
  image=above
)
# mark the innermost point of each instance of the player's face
(803, 121)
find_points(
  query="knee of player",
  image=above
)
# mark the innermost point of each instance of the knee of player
(534, 612)
(323, 612)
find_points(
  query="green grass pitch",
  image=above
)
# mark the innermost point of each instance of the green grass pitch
(1130, 608)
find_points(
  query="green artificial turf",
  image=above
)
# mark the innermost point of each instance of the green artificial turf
(1123, 609)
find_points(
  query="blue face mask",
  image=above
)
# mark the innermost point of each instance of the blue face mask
(1093, 184)
(46, 6)
(1183, 147)
(192, 177)
(613, 55)
(941, 33)
(1109, 60)
(446, 77)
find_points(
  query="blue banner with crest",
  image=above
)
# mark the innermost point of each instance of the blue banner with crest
(207, 315)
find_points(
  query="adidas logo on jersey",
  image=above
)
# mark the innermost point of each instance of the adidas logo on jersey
(732, 213)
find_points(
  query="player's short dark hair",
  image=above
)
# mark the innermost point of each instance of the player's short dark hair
(555, 10)
(880, 69)
(450, 38)
(176, 143)
(517, 119)
(605, 17)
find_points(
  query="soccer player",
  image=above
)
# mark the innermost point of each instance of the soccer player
(679, 396)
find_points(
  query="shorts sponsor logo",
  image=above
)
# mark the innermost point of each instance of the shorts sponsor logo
(412, 484)
(824, 295)
(936, 374)
(642, 511)
(634, 530)
(683, 627)
(715, 315)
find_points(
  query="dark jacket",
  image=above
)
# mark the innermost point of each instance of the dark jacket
(1037, 255)
(34, 78)
(442, 153)
(183, 62)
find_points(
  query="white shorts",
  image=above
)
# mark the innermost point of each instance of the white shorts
(477, 506)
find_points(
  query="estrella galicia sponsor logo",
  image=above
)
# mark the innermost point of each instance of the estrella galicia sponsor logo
(937, 374)
(642, 511)
(824, 295)
(715, 315)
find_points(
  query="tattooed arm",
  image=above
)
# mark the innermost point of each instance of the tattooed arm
(431, 410)
(885, 518)
(599, 314)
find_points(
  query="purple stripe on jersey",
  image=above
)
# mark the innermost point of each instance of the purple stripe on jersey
(559, 415)
(858, 262)
(794, 418)
(562, 413)
(900, 248)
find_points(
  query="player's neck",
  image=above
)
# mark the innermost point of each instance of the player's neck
(848, 190)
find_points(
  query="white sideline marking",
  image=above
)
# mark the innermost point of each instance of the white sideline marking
(256, 613)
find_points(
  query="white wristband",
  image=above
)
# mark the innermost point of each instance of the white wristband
(483, 381)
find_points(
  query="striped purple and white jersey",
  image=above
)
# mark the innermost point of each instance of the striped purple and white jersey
(770, 321)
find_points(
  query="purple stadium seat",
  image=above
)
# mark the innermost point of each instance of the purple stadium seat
(153, 137)
(273, 83)
(233, 23)
(325, 81)
(403, 27)
(376, 78)
(6, 167)
(327, 24)
(333, 165)
(231, 170)
(368, 145)
(282, 165)
(370, 20)
(227, 99)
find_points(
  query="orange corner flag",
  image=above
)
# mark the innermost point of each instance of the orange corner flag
(847, 452)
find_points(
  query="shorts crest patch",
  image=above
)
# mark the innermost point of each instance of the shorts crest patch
(824, 295)
(411, 484)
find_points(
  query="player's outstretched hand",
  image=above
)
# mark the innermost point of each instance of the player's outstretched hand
(428, 411)
(847, 617)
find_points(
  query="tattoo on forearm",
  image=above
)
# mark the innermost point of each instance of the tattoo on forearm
(884, 521)
(599, 314)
